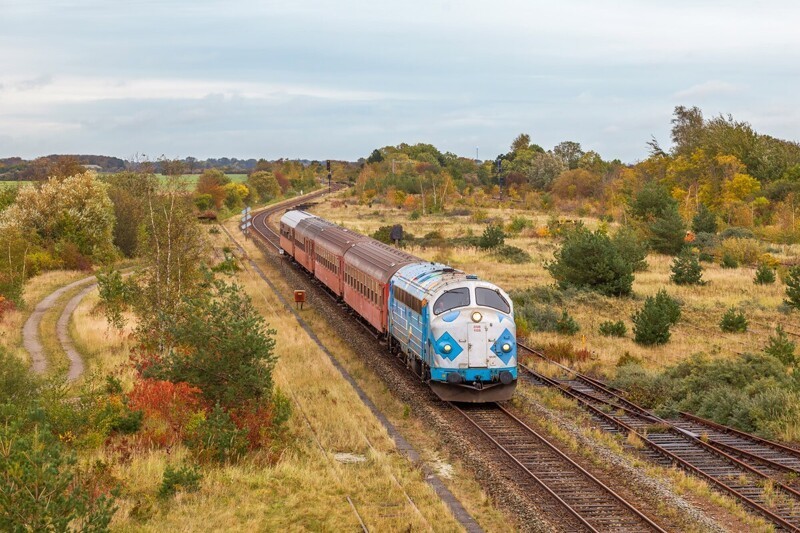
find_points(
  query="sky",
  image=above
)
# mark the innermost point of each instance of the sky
(336, 79)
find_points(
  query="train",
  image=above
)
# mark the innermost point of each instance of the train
(453, 330)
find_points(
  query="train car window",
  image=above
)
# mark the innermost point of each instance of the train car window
(451, 299)
(491, 298)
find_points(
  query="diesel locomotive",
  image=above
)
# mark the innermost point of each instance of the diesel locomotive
(455, 331)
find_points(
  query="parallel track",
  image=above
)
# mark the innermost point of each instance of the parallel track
(761, 474)
(589, 502)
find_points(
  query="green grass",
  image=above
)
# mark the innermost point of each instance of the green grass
(14, 183)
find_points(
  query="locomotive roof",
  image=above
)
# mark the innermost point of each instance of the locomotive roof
(378, 260)
(338, 239)
(293, 217)
(422, 279)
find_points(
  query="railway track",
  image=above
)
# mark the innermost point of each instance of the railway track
(763, 475)
(589, 502)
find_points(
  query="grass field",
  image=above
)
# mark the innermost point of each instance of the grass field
(703, 306)
(191, 179)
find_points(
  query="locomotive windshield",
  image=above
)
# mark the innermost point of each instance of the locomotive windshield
(491, 298)
(451, 299)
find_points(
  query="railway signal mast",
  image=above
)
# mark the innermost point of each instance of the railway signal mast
(328, 164)
(500, 178)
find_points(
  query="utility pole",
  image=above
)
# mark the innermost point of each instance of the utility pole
(500, 180)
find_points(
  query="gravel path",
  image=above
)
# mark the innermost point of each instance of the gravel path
(62, 329)
(30, 331)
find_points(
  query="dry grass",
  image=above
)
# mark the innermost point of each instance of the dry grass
(303, 487)
(703, 306)
(323, 395)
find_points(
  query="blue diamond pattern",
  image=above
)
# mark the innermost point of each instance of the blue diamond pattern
(446, 338)
(506, 336)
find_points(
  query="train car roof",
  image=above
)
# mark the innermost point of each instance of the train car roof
(378, 260)
(422, 279)
(293, 217)
(338, 239)
(312, 227)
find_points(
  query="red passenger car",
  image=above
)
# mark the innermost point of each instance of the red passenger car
(305, 234)
(289, 222)
(329, 247)
(368, 266)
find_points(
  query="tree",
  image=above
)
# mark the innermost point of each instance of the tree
(651, 202)
(172, 247)
(375, 157)
(632, 248)
(704, 221)
(733, 321)
(543, 169)
(590, 260)
(75, 210)
(576, 184)
(213, 181)
(651, 323)
(219, 344)
(569, 152)
(128, 192)
(265, 185)
(687, 129)
(686, 269)
(668, 232)
(780, 347)
(493, 236)
(793, 288)
(765, 275)
(521, 142)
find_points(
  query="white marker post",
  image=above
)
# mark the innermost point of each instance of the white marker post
(246, 221)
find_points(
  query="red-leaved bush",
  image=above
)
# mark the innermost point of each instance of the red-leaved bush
(167, 408)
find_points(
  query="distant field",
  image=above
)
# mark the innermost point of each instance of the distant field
(192, 178)
(14, 183)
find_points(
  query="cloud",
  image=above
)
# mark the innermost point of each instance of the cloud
(706, 89)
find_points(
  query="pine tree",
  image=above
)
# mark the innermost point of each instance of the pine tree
(765, 275)
(780, 347)
(793, 288)
(686, 269)
(704, 221)
(652, 322)
(733, 322)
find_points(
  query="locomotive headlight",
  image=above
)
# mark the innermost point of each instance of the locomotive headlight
(476, 316)
(447, 348)
(506, 347)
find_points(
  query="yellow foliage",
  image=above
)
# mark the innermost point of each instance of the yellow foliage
(746, 251)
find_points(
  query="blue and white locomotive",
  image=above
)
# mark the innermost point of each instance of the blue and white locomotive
(454, 331)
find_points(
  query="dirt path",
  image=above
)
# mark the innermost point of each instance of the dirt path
(62, 330)
(30, 331)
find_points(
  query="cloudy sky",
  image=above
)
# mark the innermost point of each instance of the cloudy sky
(335, 79)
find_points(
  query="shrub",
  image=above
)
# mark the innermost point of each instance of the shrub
(534, 317)
(613, 329)
(480, 216)
(793, 288)
(780, 347)
(512, 254)
(736, 233)
(166, 406)
(185, 479)
(42, 490)
(567, 325)
(518, 224)
(733, 322)
(686, 269)
(652, 322)
(214, 436)
(744, 251)
(590, 260)
(414, 215)
(493, 236)
(765, 275)
(628, 359)
(704, 221)
(728, 261)
(565, 352)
